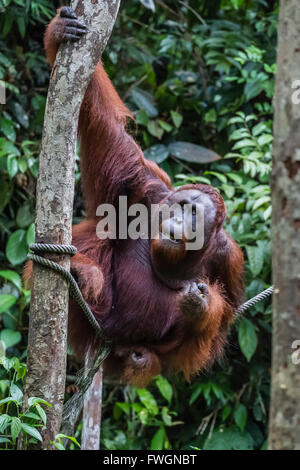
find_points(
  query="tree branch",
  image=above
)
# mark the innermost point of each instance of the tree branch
(71, 73)
(284, 423)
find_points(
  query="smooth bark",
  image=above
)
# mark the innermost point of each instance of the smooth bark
(285, 393)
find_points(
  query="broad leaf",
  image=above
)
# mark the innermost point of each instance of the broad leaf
(229, 439)
(4, 420)
(12, 166)
(177, 118)
(25, 215)
(148, 400)
(144, 101)
(240, 416)
(164, 387)
(8, 129)
(16, 248)
(157, 153)
(6, 301)
(15, 392)
(30, 234)
(8, 148)
(247, 338)
(32, 431)
(256, 258)
(155, 129)
(192, 153)
(11, 276)
(157, 442)
(10, 337)
(42, 413)
(15, 427)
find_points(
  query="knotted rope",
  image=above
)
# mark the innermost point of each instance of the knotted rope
(75, 292)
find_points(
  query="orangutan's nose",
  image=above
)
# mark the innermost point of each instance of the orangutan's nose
(187, 196)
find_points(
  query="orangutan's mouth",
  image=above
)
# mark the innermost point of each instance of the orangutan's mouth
(198, 289)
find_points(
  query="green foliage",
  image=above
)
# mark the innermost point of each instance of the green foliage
(59, 443)
(14, 423)
(199, 80)
(142, 409)
(229, 439)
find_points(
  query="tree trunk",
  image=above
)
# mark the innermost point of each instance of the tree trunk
(285, 393)
(71, 73)
(91, 418)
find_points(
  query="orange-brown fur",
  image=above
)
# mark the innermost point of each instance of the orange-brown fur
(134, 307)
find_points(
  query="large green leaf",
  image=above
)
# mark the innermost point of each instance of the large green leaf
(142, 117)
(10, 319)
(6, 190)
(155, 129)
(164, 387)
(15, 427)
(157, 442)
(8, 148)
(32, 431)
(20, 114)
(10, 337)
(240, 416)
(192, 153)
(16, 248)
(8, 129)
(247, 338)
(6, 301)
(12, 166)
(123, 406)
(4, 421)
(11, 276)
(256, 258)
(229, 439)
(177, 118)
(42, 413)
(196, 392)
(145, 101)
(148, 400)
(157, 153)
(25, 215)
(165, 416)
(30, 234)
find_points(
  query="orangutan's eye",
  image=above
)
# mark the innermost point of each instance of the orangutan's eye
(137, 356)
